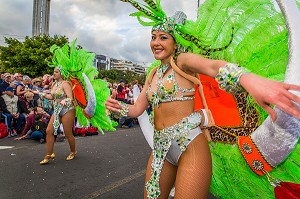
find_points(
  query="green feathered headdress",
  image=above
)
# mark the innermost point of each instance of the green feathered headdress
(183, 30)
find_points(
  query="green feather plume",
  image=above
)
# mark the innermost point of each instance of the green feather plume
(260, 45)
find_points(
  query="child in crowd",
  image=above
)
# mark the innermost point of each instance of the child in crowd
(37, 130)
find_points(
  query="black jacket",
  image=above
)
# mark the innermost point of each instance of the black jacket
(24, 106)
(3, 87)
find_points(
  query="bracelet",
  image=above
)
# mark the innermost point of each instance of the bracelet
(125, 109)
(42, 94)
(228, 78)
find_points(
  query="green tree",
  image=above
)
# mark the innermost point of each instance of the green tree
(114, 75)
(30, 57)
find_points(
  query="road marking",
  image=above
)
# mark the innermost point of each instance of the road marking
(115, 185)
(6, 147)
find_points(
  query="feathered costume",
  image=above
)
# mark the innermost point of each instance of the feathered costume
(90, 94)
(252, 34)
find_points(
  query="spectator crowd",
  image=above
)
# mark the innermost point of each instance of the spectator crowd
(26, 115)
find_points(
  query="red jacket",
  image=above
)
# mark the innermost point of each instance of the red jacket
(121, 91)
(30, 120)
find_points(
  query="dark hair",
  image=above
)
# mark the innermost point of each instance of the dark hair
(35, 108)
(37, 117)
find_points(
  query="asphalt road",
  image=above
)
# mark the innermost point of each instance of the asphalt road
(110, 166)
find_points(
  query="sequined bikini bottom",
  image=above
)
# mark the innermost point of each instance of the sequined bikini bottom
(163, 139)
(59, 111)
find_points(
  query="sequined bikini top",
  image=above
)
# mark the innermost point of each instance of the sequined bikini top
(58, 93)
(163, 94)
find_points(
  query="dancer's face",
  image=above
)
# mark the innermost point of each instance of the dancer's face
(163, 46)
(56, 74)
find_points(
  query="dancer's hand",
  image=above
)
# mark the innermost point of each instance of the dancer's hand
(63, 102)
(113, 105)
(268, 92)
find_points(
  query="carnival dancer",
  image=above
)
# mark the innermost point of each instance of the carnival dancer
(76, 87)
(64, 111)
(180, 149)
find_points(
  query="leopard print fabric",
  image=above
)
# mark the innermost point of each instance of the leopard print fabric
(250, 121)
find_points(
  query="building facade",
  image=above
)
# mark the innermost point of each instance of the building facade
(103, 62)
(40, 17)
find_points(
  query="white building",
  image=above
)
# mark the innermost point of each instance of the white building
(102, 62)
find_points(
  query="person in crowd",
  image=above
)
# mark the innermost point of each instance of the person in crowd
(19, 85)
(126, 122)
(27, 105)
(6, 83)
(64, 111)
(47, 104)
(27, 82)
(130, 94)
(104, 78)
(181, 150)
(35, 127)
(2, 77)
(136, 85)
(9, 106)
(47, 80)
(18, 79)
(114, 90)
(37, 86)
(121, 91)
(30, 119)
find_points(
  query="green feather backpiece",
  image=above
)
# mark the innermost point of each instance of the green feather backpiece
(260, 45)
(74, 63)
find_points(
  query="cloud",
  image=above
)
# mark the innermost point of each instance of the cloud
(101, 26)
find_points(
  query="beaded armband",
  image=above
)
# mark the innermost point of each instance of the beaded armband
(68, 102)
(125, 109)
(228, 78)
(42, 94)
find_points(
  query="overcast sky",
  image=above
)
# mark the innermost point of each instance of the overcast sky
(101, 26)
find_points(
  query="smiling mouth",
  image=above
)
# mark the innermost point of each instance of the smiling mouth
(157, 51)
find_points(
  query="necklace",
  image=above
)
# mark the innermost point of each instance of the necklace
(162, 69)
(58, 83)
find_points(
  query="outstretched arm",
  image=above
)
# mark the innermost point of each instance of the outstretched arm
(266, 92)
(133, 110)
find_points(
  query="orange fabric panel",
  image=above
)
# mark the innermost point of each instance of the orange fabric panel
(222, 105)
(78, 92)
(253, 155)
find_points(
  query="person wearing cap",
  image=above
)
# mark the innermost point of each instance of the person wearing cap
(18, 79)
(22, 85)
(121, 91)
(7, 82)
(9, 106)
(36, 86)
(27, 82)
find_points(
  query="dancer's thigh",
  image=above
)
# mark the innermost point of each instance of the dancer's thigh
(68, 121)
(50, 128)
(167, 178)
(194, 170)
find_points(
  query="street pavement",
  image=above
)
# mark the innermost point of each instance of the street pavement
(109, 166)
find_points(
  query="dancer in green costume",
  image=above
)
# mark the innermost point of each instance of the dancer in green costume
(257, 42)
(77, 88)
